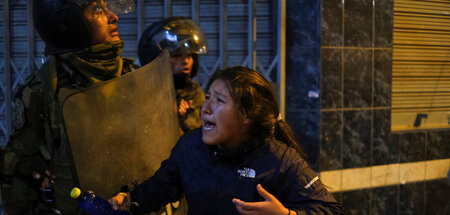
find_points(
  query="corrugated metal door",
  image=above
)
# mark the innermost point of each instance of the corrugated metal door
(421, 65)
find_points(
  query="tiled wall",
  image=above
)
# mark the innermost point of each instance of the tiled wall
(343, 49)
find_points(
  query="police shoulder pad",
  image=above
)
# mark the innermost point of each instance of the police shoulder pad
(18, 113)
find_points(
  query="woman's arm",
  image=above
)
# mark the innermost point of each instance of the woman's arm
(301, 190)
(163, 187)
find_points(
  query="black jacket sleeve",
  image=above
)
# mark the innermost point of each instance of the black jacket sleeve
(163, 187)
(302, 190)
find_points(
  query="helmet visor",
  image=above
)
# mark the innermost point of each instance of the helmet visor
(181, 35)
(121, 6)
(116, 6)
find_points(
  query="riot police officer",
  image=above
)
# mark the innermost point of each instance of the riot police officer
(83, 49)
(185, 41)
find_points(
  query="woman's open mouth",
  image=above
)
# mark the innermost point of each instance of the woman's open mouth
(208, 126)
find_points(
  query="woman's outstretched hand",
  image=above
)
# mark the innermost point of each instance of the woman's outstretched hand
(271, 205)
(121, 201)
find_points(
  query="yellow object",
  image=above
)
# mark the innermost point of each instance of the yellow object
(75, 192)
(119, 199)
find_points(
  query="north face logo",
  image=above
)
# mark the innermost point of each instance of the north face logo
(247, 172)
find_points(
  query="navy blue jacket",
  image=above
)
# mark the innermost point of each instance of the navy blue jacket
(211, 178)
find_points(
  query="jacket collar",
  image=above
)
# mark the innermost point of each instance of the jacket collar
(240, 151)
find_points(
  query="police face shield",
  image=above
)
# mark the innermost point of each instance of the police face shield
(115, 6)
(181, 36)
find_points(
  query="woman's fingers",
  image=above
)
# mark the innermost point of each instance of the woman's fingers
(114, 202)
(246, 205)
(120, 201)
(271, 205)
(245, 208)
(263, 192)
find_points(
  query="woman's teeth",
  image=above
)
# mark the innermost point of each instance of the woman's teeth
(209, 126)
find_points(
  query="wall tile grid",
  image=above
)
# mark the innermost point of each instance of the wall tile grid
(349, 86)
(356, 66)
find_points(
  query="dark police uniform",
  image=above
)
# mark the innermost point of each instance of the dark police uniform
(190, 91)
(40, 141)
(192, 40)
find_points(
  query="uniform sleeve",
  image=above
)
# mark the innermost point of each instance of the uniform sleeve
(163, 187)
(302, 190)
(25, 151)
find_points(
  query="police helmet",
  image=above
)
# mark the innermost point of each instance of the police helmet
(61, 23)
(172, 33)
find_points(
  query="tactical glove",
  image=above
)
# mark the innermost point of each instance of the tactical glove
(27, 165)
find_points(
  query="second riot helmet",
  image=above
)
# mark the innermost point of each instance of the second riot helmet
(172, 33)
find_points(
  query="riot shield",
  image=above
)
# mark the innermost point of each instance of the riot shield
(120, 131)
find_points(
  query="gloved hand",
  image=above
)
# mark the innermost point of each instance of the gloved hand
(28, 164)
(35, 169)
(183, 107)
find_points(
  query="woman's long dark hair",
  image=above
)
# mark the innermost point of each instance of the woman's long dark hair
(254, 96)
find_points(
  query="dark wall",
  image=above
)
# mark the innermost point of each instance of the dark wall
(303, 74)
(343, 49)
